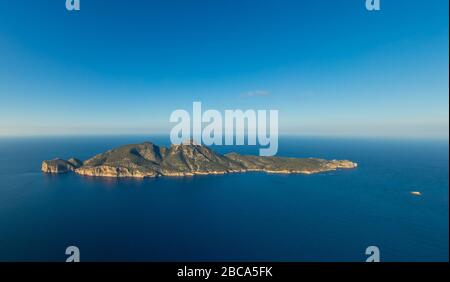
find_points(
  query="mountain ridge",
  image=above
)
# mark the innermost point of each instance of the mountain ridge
(146, 159)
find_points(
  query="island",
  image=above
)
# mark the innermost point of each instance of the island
(187, 159)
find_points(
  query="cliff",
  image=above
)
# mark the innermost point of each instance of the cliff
(149, 160)
(60, 166)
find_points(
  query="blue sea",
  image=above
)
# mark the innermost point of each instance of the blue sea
(331, 216)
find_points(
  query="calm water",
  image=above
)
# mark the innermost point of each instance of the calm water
(325, 217)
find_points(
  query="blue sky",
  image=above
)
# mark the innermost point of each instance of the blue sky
(329, 67)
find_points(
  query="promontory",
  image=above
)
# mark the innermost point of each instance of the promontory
(149, 160)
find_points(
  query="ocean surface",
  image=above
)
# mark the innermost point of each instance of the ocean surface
(331, 216)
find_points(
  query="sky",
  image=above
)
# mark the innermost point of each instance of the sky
(122, 67)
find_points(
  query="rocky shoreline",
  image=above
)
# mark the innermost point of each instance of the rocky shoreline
(148, 160)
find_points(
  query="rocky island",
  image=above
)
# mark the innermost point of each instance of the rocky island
(149, 160)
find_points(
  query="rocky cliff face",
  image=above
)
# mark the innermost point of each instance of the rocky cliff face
(60, 166)
(149, 160)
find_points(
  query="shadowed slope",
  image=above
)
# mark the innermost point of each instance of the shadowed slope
(149, 160)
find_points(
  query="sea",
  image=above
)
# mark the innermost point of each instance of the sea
(327, 217)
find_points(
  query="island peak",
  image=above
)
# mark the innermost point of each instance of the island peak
(186, 159)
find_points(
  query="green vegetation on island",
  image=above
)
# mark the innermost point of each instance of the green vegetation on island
(149, 160)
